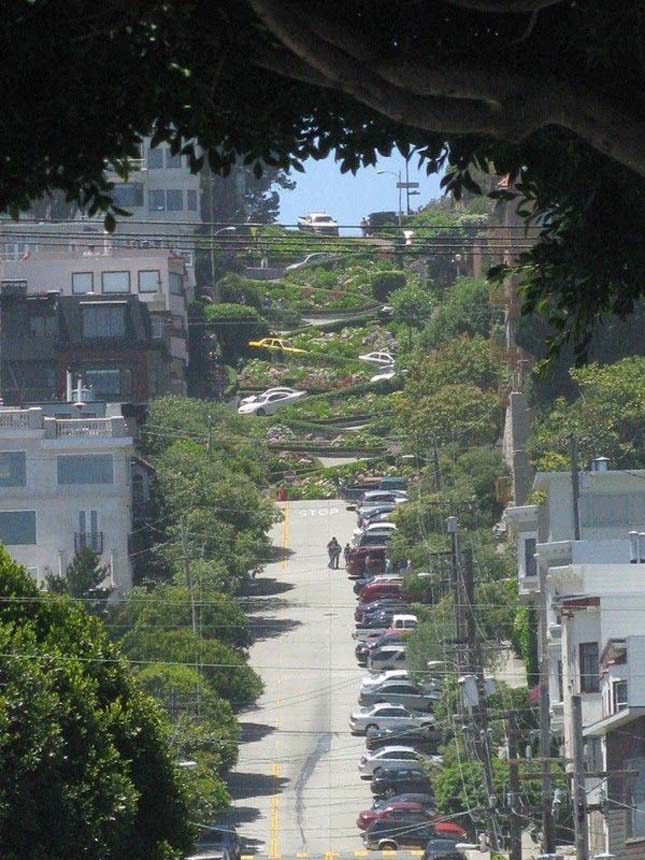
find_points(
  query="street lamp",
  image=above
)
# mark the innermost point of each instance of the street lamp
(213, 234)
(398, 185)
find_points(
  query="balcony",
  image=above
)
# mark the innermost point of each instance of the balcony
(88, 540)
(84, 427)
(11, 419)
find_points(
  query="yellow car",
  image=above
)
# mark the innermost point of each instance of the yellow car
(275, 343)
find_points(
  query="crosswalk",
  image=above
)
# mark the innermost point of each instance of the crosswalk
(406, 854)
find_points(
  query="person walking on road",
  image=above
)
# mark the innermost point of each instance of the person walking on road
(333, 548)
(346, 553)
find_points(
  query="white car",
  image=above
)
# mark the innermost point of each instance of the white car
(280, 389)
(386, 758)
(378, 528)
(267, 404)
(380, 357)
(317, 259)
(386, 716)
(369, 682)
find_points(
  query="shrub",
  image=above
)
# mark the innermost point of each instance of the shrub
(384, 283)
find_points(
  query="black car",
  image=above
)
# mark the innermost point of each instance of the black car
(397, 780)
(425, 739)
(363, 649)
(405, 831)
(442, 848)
(426, 800)
(369, 610)
(378, 621)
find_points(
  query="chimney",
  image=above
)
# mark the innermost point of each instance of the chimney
(600, 464)
(633, 548)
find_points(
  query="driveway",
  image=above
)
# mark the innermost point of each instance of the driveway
(296, 788)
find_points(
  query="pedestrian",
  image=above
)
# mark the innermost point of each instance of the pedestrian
(346, 553)
(333, 549)
(408, 566)
(388, 565)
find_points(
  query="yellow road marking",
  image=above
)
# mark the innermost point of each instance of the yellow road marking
(330, 855)
(274, 827)
(416, 852)
(388, 852)
(301, 854)
(285, 535)
(360, 853)
(247, 856)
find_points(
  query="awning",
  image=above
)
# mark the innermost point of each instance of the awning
(615, 721)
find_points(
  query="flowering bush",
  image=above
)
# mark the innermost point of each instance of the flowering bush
(264, 374)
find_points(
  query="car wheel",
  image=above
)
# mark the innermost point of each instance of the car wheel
(260, 412)
(389, 792)
(371, 726)
(387, 845)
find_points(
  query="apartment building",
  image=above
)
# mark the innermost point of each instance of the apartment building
(108, 343)
(65, 484)
(157, 277)
(586, 591)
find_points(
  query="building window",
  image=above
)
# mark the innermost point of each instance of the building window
(589, 680)
(43, 325)
(157, 325)
(191, 201)
(530, 561)
(173, 160)
(619, 696)
(82, 283)
(85, 469)
(155, 159)
(108, 382)
(174, 201)
(103, 321)
(128, 194)
(13, 469)
(18, 528)
(634, 799)
(149, 280)
(115, 282)
(156, 201)
(176, 284)
(560, 682)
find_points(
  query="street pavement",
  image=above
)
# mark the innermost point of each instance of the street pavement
(296, 788)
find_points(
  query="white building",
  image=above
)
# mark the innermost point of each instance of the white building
(157, 276)
(65, 485)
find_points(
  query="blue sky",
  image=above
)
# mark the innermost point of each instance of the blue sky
(348, 198)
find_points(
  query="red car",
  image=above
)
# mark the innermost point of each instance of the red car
(380, 590)
(358, 556)
(402, 808)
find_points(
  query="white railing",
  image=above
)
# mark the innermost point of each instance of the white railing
(84, 427)
(18, 420)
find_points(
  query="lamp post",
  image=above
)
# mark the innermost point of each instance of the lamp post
(398, 185)
(213, 234)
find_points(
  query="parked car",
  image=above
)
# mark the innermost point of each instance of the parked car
(362, 581)
(374, 514)
(368, 682)
(391, 808)
(386, 758)
(401, 692)
(318, 222)
(425, 799)
(279, 389)
(410, 831)
(317, 259)
(386, 716)
(442, 848)
(387, 657)
(357, 558)
(378, 527)
(374, 498)
(376, 590)
(381, 357)
(393, 482)
(426, 739)
(221, 842)
(267, 404)
(386, 373)
(375, 538)
(366, 646)
(275, 343)
(364, 610)
(390, 782)
(403, 623)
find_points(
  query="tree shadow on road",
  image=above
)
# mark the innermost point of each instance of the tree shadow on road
(251, 732)
(240, 815)
(266, 627)
(267, 586)
(263, 604)
(277, 553)
(246, 785)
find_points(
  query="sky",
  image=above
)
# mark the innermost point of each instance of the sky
(348, 198)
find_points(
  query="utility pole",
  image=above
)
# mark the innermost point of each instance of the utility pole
(187, 572)
(437, 466)
(209, 422)
(515, 852)
(548, 835)
(575, 486)
(476, 666)
(578, 793)
(455, 587)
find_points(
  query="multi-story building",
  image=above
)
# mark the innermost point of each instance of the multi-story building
(65, 484)
(108, 343)
(156, 277)
(586, 591)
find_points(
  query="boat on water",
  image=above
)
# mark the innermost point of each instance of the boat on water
(318, 222)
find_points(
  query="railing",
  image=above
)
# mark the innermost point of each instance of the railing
(88, 540)
(84, 427)
(18, 420)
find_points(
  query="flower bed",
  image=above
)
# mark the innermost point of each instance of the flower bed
(343, 407)
(349, 342)
(259, 374)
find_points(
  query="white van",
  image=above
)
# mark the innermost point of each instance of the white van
(404, 622)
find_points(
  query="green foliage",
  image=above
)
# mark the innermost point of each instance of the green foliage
(464, 310)
(84, 579)
(384, 283)
(234, 326)
(236, 290)
(412, 306)
(87, 769)
(606, 417)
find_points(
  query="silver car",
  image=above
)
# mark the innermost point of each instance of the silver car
(387, 757)
(401, 692)
(387, 716)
